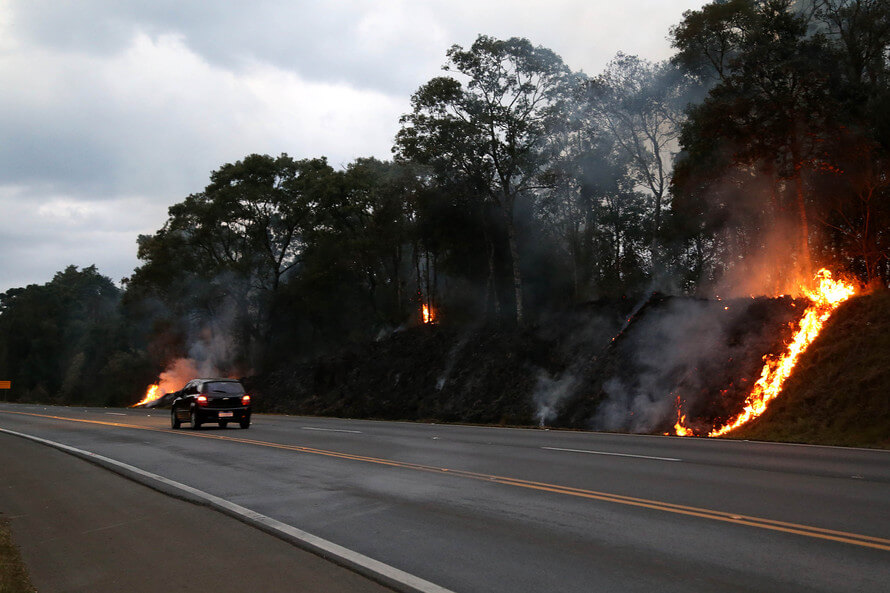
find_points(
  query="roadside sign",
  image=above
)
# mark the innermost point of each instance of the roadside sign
(5, 384)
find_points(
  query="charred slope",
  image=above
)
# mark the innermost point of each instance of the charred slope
(426, 372)
(482, 374)
(701, 355)
(839, 392)
(608, 365)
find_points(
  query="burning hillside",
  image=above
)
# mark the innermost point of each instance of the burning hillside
(824, 299)
(612, 365)
(704, 353)
(837, 394)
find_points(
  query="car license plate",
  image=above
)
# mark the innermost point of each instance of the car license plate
(226, 414)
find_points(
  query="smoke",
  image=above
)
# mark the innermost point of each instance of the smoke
(586, 338)
(549, 393)
(637, 408)
(180, 372)
(452, 358)
(680, 347)
(209, 339)
(207, 355)
(769, 266)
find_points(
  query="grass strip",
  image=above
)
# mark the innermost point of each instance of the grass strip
(13, 573)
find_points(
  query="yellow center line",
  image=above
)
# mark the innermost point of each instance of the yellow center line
(762, 523)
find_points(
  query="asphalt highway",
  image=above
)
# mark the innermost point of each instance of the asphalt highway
(507, 510)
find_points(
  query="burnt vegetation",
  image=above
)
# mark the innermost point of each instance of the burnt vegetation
(570, 233)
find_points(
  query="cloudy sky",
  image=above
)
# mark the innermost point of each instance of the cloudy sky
(113, 110)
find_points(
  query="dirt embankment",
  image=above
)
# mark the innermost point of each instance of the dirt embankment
(619, 365)
(839, 394)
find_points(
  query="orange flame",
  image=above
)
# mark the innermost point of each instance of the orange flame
(151, 394)
(825, 299)
(680, 428)
(429, 314)
(174, 377)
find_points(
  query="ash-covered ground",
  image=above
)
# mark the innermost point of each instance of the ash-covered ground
(617, 365)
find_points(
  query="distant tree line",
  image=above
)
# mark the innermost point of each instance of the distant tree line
(517, 187)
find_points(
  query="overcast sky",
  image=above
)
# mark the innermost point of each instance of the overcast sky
(113, 110)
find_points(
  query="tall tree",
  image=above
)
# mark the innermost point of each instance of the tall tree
(56, 339)
(224, 252)
(491, 128)
(640, 105)
(771, 109)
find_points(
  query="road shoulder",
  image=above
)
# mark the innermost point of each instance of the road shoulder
(82, 528)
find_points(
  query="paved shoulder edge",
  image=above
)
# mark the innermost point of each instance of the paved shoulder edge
(373, 569)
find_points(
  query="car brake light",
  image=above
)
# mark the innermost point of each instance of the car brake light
(202, 400)
(245, 399)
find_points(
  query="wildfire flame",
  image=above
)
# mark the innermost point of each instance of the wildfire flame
(680, 428)
(175, 376)
(827, 297)
(429, 314)
(151, 394)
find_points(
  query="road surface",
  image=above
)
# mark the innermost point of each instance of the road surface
(506, 510)
(82, 529)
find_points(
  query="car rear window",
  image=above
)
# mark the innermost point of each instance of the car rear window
(223, 387)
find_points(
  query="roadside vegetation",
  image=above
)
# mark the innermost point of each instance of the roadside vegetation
(838, 394)
(13, 573)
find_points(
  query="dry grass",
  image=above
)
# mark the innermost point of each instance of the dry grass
(13, 574)
(839, 394)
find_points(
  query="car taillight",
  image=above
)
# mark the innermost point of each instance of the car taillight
(202, 400)
(245, 400)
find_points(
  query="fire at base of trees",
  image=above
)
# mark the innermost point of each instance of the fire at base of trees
(518, 187)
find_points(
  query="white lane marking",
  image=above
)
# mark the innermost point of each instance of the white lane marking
(374, 569)
(115, 414)
(614, 454)
(331, 429)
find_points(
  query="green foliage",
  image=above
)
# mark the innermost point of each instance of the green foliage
(781, 139)
(223, 253)
(57, 340)
(493, 129)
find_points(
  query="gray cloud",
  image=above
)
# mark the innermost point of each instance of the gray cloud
(378, 45)
(130, 104)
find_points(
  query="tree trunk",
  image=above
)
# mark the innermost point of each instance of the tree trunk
(657, 271)
(428, 296)
(491, 292)
(514, 260)
(397, 272)
(418, 280)
(806, 264)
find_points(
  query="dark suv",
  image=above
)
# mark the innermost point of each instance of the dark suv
(211, 400)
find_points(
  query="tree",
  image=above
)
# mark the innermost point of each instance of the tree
(56, 339)
(862, 29)
(640, 105)
(771, 109)
(223, 253)
(710, 40)
(493, 129)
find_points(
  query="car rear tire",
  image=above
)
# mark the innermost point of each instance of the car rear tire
(174, 421)
(244, 423)
(196, 424)
(223, 424)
